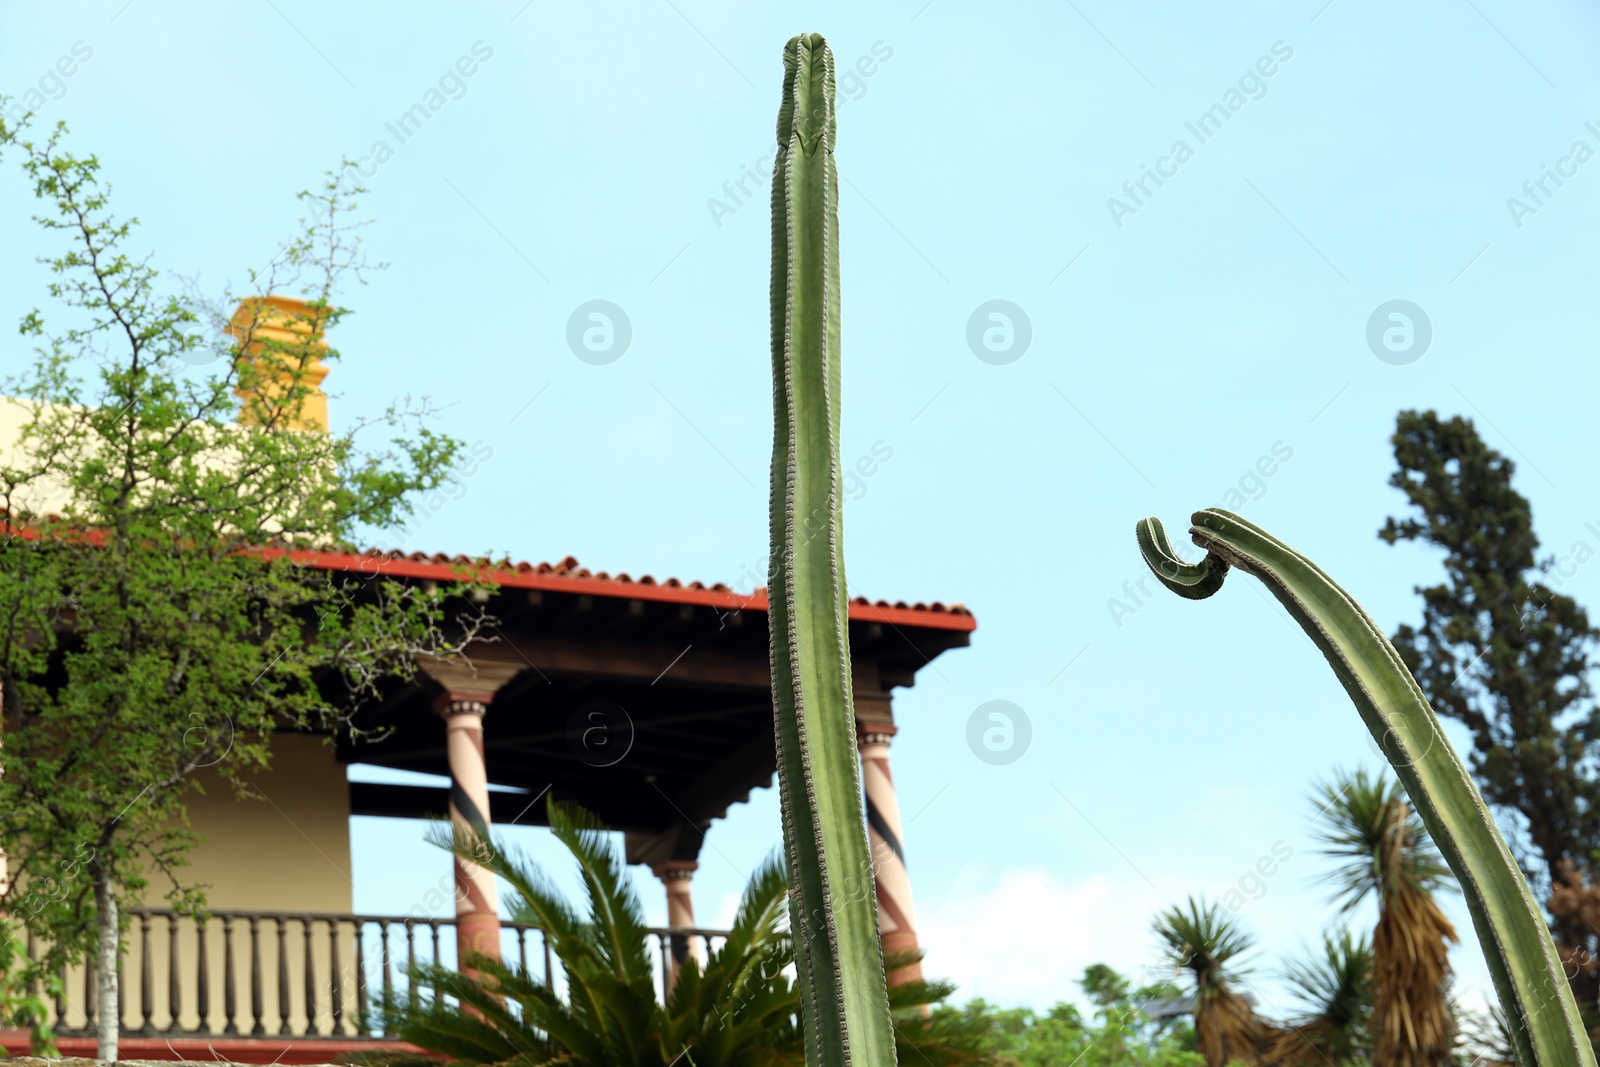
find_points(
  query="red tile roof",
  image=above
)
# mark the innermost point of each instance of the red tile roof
(569, 576)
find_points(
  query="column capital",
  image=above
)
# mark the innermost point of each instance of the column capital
(875, 733)
(466, 680)
(450, 705)
(675, 871)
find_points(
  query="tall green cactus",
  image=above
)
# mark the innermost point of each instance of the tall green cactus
(839, 959)
(1527, 971)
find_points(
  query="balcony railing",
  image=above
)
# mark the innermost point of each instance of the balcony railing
(261, 974)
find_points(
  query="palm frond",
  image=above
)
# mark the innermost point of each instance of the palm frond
(917, 995)
(1204, 940)
(1334, 983)
(535, 899)
(439, 1026)
(754, 954)
(1334, 987)
(1366, 824)
(619, 930)
(738, 1009)
(934, 1038)
(1487, 1038)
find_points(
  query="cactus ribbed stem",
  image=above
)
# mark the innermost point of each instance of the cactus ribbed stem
(839, 959)
(1541, 1013)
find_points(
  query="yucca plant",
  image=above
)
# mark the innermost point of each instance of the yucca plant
(1486, 1038)
(1334, 983)
(1385, 852)
(844, 1001)
(1205, 941)
(1543, 1015)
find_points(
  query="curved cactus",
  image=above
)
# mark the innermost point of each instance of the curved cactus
(1527, 971)
(838, 957)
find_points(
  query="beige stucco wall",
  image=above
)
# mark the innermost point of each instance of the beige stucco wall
(48, 496)
(284, 850)
(287, 848)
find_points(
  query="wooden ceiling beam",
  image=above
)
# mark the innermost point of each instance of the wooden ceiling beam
(654, 662)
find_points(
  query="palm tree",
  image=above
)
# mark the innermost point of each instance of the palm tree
(738, 1009)
(1336, 986)
(1203, 940)
(1367, 823)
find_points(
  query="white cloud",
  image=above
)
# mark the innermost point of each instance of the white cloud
(1024, 936)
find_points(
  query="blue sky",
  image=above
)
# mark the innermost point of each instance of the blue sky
(1173, 346)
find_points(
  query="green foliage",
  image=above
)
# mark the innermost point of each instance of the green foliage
(1117, 1034)
(153, 624)
(838, 957)
(23, 991)
(1524, 962)
(739, 1009)
(937, 1038)
(1103, 984)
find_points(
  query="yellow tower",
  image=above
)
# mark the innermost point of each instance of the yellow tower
(282, 338)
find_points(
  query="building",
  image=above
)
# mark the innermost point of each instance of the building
(647, 701)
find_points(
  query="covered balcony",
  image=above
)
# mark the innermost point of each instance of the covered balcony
(647, 702)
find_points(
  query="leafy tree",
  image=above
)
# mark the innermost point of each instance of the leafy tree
(153, 621)
(1103, 985)
(1502, 652)
(739, 1009)
(1117, 1034)
(1385, 852)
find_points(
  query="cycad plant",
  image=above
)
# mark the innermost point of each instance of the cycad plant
(736, 1011)
(1205, 941)
(1334, 983)
(1384, 852)
(943, 1038)
(844, 1002)
(1523, 961)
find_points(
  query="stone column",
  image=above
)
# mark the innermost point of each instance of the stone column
(468, 687)
(897, 920)
(477, 897)
(677, 875)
